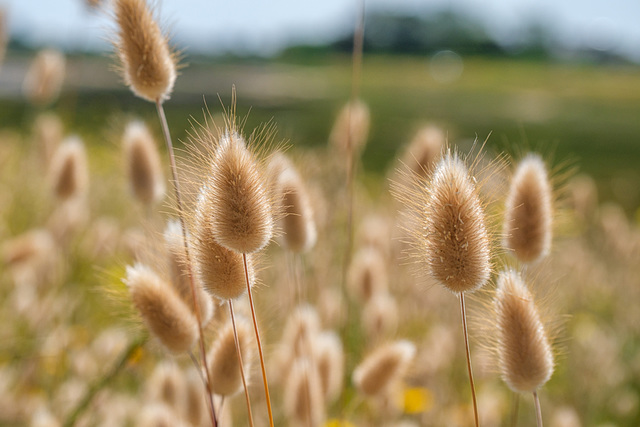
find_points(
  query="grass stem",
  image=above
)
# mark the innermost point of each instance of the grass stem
(536, 402)
(255, 328)
(196, 306)
(466, 344)
(239, 353)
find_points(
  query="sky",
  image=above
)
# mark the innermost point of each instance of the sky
(266, 26)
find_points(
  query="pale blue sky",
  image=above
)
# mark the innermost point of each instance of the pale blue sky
(267, 25)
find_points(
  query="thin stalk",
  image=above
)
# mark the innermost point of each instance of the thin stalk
(102, 382)
(239, 354)
(466, 344)
(255, 328)
(536, 401)
(514, 410)
(196, 306)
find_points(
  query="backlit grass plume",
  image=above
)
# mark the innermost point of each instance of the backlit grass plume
(143, 164)
(297, 224)
(69, 173)
(455, 241)
(148, 63)
(524, 351)
(303, 397)
(224, 366)
(163, 312)
(351, 128)
(528, 216)
(235, 198)
(424, 150)
(382, 367)
(43, 81)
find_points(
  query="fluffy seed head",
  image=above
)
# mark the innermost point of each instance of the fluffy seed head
(43, 81)
(166, 385)
(195, 409)
(180, 274)
(455, 238)
(351, 128)
(148, 64)
(524, 352)
(297, 223)
(383, 366)
(424, 150)
(527, 224)
(329, 358)
(303, 399)
(300, 330)
(164, 313)
(380, 316)
(218, 269)
(226, 379)
(234, 201)
(143, 164)
(367, 274)
(69, 173)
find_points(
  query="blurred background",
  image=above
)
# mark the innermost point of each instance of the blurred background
(560, 76)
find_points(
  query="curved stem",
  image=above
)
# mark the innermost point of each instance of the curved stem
(466, 344)
(514, 410)
(194, 295)
(255, 328)
(536, 401)
(239, 354)
(102, 382)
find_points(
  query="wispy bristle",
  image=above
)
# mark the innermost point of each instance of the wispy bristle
(162, 310)
(226, 378)
(143, 164)
(43, 81)
(303, 398)
(528, 216)
(524, 352)
(455, 239)
(69, 174)
(383, 366)
(351, 128)
(148, 64)
(234, 199)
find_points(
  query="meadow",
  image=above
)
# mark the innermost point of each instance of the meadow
(75, 352)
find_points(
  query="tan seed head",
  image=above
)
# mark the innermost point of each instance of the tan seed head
(180, 273)
(367, 274)
(303, 398)
(148, 64)
(380, 316)
(143, 164)
(524, 352)
(69, 173)
(455, 239)
(164, 313)
(329, 358)
(351, 128)
(43, 81)
(218, 269)
(528, 216)
(226, 379)
(297, 224)
(167, 385)
(234, 200)
(424, 150)
(382, 367)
